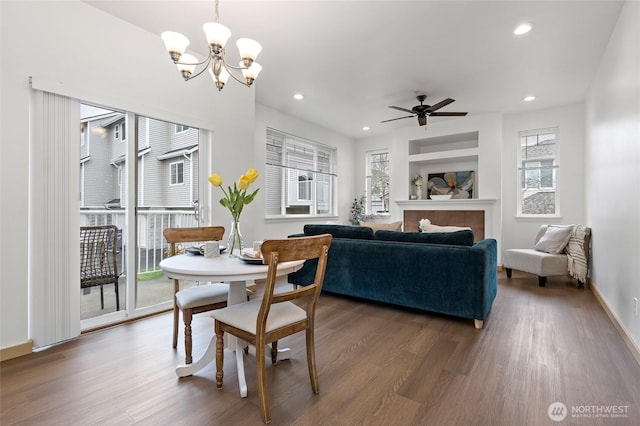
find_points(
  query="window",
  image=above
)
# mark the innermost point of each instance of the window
(377, 182)
(538, 168)
(120, 132)
(83, 133)
(300, 176)
(177, 173)
(181, 128)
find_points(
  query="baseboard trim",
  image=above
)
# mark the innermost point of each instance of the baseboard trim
(626, 337)
(15, 351)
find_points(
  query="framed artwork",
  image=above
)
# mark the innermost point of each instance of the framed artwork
(460, 184)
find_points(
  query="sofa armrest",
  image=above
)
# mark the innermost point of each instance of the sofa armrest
(489, 248)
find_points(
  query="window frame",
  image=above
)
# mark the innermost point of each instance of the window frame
(181, 174)
(287, 158)
(368, 178)
(525, 166)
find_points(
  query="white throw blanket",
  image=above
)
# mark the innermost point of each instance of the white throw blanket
(578, 264)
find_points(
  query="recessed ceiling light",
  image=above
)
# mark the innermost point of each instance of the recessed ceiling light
(529, 98)
(522, 29)
(298, 96)
(365, 128)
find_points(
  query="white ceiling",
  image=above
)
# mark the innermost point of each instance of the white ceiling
(352, 59)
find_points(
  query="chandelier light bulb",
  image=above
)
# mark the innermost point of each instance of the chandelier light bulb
(249, 50)
(221, 79)
(175, 43)
(252, 72)
(187, 65)
(217, 34)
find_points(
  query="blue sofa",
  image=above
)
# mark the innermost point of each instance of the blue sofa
(435, 272)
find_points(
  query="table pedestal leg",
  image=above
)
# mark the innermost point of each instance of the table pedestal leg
(237, 294)
(206, 358)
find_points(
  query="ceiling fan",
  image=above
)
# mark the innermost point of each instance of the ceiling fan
(422, 111)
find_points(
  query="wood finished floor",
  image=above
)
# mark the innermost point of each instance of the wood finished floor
(377, 365)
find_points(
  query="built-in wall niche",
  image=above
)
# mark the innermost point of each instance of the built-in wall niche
(441, 154)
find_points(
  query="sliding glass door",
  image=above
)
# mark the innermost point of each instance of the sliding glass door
(167, 197)
(141, 175)
(103, 189)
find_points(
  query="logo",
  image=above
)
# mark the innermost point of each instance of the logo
(557, 411)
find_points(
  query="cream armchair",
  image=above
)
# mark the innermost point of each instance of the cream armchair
(551, 257)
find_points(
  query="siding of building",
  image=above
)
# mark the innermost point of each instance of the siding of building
(100, 177)
(155, 138)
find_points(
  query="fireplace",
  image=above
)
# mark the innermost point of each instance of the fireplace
(474, 219)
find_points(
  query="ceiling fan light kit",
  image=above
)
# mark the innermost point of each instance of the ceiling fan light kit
(422, 111)
(216, 62)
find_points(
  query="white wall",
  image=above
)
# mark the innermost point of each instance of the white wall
(268, 117)
(613, 170)
(520, 232)
(77, 50)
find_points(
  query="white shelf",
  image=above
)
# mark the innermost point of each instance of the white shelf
(457, 203)
(454, 154)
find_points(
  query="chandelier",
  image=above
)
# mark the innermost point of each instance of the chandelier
(216, 62)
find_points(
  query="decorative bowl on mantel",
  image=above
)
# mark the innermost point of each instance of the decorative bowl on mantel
(441, 197)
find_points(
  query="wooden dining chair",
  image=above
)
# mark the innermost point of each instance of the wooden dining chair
(197, 299)
(98, 259)
(262, 322)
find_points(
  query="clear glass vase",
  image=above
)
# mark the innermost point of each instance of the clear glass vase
(235, 243)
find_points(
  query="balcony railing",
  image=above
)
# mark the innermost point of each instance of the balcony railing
(151, 245)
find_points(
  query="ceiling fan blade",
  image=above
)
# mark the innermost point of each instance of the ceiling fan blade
(402, 109)
(440, 104)
(450, 114)
(399, 118)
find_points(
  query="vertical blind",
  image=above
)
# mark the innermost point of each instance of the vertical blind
(54, 245)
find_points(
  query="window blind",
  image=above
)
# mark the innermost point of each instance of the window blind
(288, 158)
(54, 249)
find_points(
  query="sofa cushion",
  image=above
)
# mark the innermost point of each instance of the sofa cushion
(555, 239)
(379, 226)
(340, 231)
(458, 238)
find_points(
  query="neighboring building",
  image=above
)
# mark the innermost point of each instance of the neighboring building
(167, 162)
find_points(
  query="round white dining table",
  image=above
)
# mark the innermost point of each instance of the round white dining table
(238, 274)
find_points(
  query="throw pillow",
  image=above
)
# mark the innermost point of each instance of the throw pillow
(437, 228)
(377, 226)
(555, 239)
(425, 225)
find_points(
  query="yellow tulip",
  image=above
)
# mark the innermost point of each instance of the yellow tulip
(252, 174)
(244, 182)
(215, 179)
